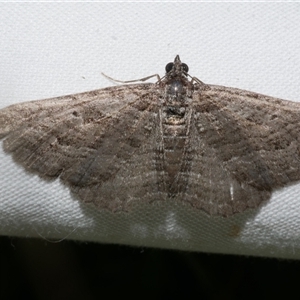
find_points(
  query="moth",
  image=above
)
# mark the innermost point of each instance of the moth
(219, 149)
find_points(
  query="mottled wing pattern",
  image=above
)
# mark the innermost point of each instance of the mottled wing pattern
(220, 149)
(100, 143)
(245, 146)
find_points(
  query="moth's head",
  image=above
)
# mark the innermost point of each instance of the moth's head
(177, 68)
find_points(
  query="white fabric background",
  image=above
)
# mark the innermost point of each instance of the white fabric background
(54, 49)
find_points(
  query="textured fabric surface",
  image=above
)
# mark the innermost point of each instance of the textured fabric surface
(56, 49)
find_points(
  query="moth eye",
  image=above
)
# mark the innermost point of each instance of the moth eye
(185, 67)
(169, 67)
